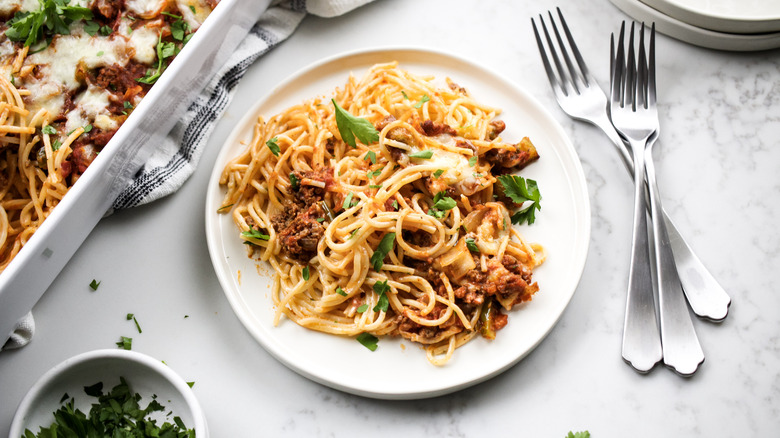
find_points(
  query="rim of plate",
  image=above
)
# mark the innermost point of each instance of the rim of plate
(698, 36)
(713, 16)
(403, 55)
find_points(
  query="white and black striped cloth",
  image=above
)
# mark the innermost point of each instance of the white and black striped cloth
(175, 160)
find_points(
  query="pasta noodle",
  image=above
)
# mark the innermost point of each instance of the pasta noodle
(406, 231)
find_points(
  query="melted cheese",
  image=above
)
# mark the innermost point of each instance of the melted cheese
(60, 60)
(194, 12)
(145, 8)
(144, 41)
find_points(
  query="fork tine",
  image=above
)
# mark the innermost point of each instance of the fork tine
(630, 85)
(651, 69)
(561, 73)
(642, 71)
(586, 76)
(554, 82)
(617, 78)
(574, 76)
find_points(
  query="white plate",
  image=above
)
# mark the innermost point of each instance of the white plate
(696, 35)
(399, 369)
(731, 16)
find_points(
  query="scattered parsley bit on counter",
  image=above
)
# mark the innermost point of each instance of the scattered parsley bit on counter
(116, 414)
(190, 384)
(94, 285)
(125, 343)
(368, 340)
(138, 326)
(583, 434)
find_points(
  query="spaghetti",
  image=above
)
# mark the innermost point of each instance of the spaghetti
(406, 231)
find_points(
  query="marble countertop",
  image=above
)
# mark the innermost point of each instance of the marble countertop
(718, 166)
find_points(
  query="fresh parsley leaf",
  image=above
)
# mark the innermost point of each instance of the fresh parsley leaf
(471, 244)
(473, 161)
(375, 173)
(443, 202)
(424, 99)
(105, 30)
(438, 173)
(125, 343)
(100, 53)
(520, 191)
(384, 247)
(352, 234)
(56, 145)
(94, 285)
(273, 146)
(350, 127)
(92, 28)
(425, 155)
(347, 201)
(305, 273)
(53, 17)
(178, 29)
(48, 129)
(368, 340)
(341, 292)
(255, 234)
(294, 181)
(128, 105)
(362, 308)
(164, 50)
(370, 155)
(381, 288)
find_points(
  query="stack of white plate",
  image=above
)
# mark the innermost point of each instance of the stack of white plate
(738, 25)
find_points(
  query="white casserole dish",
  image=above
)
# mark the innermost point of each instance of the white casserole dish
(38, 263)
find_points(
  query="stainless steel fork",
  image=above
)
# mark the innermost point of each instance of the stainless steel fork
(681, 349)
(580, 96)
(631, 117)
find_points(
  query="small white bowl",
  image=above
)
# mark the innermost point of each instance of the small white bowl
(145, 375)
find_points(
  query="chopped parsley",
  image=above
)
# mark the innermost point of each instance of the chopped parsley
(179, 29)
(424, 99)
(375, 173)
(294, 181)
(370, 155)
(94, 285)
(438, 173)
(375, 186)
(137, 326)
(116, 413)
(583, 434)
(255, 234)
(441, 204)
(224, 208)
(305, 273)
(403, 93)
(165, 50)
(384, 247)
(522, 190)
(273, 146)
(87, 129)
(350, 127)
(48, 129)
(362, 308)
(471, 244)
(473, 161)
(424, 155)
(56, 145)
(125, 343)
(347, 201)
(341, 292)
(368, 340)
(53, 17)
(381, 288)
(352, 234)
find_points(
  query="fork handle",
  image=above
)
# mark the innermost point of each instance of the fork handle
(681, 349)
(641, 343)
(707, 298)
